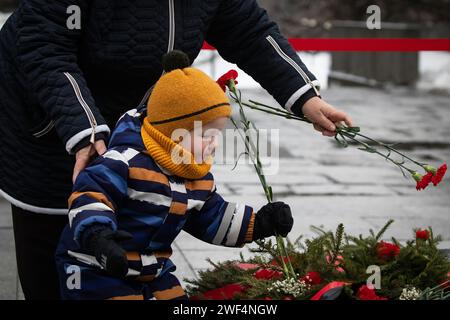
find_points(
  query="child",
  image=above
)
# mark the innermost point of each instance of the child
(129, 205)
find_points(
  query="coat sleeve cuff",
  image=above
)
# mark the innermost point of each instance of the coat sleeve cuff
(298, 105)
(249, 234)
(87, 141)
(82, 139)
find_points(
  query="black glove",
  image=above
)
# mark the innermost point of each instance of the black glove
(274, 218)
(103, 243)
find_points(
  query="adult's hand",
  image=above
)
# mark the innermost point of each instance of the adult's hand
(324, 116)
(83, 156)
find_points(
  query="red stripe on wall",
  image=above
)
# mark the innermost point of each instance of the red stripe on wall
(365, 44)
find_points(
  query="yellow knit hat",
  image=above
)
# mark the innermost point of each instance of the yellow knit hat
(184, 95)
(181, 97)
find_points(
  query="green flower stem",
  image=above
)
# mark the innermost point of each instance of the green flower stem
(341, 129)
(278, 113)
(254, 154)
(287, 113)
(248, 144)
(350, 136)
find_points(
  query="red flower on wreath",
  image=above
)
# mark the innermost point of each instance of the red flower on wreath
(422, 234)
(386, 250)
(368, 293)
(247, 266)
(424, 181)
(267, 274)
(337, 262)
(223, 80)
(312, 277)
(227, 292)
(439, 174)
(445, 283)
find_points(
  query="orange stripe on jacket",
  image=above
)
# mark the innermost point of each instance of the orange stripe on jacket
(148, 175)
(146, 278)
(178, 208)
(133, 256)
(162, 254)
(200, 185)
(100, 197)
(251, 225)
(172, 293)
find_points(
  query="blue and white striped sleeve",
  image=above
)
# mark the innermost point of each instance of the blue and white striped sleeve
(221, 223)
(97, 192)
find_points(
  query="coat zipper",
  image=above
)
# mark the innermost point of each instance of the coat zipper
(83, 103)
(289, 60)
(171, 26)
(170, 45)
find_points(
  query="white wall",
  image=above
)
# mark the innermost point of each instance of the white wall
(319, 63)
(434, 69)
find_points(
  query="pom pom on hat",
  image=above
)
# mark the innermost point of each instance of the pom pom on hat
(175, 60)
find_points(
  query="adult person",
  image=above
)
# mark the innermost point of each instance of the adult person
(62, 89)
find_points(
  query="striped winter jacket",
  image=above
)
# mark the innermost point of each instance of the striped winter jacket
(126, 189)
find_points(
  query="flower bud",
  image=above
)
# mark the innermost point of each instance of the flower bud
(231, 85)
(417, 176)
(431, 169)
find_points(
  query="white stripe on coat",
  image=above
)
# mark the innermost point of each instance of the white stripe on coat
(236, 225)
(150, 197)
(148, 260)
(96, 206)
(115, 155)
(224, 224)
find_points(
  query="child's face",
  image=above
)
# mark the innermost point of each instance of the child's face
(202, 141)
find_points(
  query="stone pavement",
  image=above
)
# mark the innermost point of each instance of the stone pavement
(324, 184)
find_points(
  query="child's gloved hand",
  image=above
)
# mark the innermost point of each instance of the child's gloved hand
(103, 242)
(272, 219)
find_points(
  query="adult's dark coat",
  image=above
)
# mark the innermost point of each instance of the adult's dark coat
(59, 86)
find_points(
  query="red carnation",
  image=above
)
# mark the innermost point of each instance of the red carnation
(337, 262)
(439, 174)
(422, 234)
(312, 277)
(368, 293)
(424, 182)
(444, 284)
(386, 250)
(223, 80)
(227, 292)
(267, 274)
